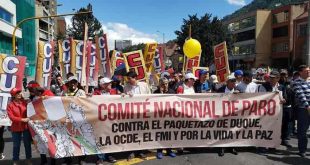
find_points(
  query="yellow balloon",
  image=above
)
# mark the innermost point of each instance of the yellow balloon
(192, 48)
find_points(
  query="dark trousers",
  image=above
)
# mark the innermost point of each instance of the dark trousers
(303, 121)
(17, 137)
(286, 119)
(1, 139)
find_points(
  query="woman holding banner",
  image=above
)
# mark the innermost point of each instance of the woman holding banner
(105, 88)
(17, 112)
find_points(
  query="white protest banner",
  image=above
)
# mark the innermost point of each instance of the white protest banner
(92, 125)
(11, 76)
(45, 61)
(64, 49)
(103, 55)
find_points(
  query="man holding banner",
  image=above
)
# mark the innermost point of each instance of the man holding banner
(135, 88)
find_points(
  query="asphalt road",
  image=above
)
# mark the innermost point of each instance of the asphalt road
(200, 156)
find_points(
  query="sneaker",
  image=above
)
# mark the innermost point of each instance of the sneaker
(302, 154)
(82, 162)
(262, 151)
(159, 155)
(111, 159)
(15, 162)
(142, 155)
(286, 143)
(2, 156)
(172, 154)
(131, 156)
(234, 151)
(221, 152)
(100, 162)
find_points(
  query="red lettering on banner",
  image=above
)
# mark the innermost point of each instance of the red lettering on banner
(131, 60)
(221, 74)
(219, 51)
(185, 109)
(192, 62)
(221, 61)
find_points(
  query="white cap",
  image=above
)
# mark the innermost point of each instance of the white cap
(189, 76)
(105, 80)
(231, 77)
(72, 78)
(213, 78)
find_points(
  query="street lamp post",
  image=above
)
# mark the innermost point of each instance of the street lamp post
(32, 18)
(163, 36)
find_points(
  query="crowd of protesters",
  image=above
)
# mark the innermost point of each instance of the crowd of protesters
(294, 91)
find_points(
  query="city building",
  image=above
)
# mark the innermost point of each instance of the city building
(45, 26)
(300, 38)
(121, 44)
(251, 40)
(26, 45)
(283, 33)
(61, 26)
(7, 24)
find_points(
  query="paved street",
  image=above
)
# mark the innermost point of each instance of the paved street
(246, 156)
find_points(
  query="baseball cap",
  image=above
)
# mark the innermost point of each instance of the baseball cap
(33, 84)
(213, 78)
(247, 74)
(163, 80)
(105, 80)
(14, 91)
(72, 78)
(190, 76)
(202, 72)
(274, 74)
(231, 77)
(238, 73)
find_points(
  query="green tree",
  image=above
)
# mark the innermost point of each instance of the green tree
(78, 21)
(208, 30)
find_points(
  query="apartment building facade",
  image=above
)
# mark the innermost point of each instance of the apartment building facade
(283, 34)
(7, 24)
(251, 40)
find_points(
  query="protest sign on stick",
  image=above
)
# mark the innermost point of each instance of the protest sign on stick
(134, 61)
(45, 61)
(12, 73)
(221, 61)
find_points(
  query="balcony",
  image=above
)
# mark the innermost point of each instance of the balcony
(7, 28)
(245, 57)
(43, 35)
(242, 25)
(242, 43)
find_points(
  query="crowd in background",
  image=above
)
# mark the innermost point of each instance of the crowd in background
(293, 88)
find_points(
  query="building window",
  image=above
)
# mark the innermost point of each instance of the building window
(245, 36)
(280, 17)
(280, 32)
(244, 50)
(242, 24)
(302, 30)
(280, 47)
(5, 15)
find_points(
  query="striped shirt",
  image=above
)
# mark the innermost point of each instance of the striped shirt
(301, 88)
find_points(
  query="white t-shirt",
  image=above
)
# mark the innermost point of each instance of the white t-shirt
(229, 91)
(188, 90)
(247, 88)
